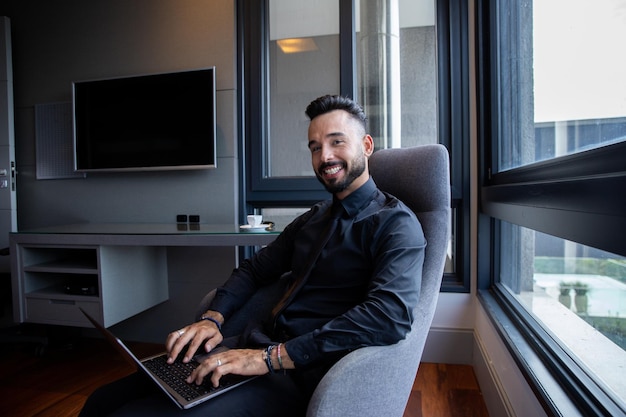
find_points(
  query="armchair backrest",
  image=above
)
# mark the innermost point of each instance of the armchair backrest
(420, 177)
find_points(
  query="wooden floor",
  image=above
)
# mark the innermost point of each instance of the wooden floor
(443, 390)
(57, 381)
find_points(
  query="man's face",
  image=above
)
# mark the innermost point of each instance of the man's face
(339, 152)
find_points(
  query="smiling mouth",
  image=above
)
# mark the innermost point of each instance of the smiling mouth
(330, 171)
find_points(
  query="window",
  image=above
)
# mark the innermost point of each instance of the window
(395, 71)
(553, 137)
(576, 292)
(385, 54)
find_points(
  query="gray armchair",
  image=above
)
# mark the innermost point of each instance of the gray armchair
(377, 380)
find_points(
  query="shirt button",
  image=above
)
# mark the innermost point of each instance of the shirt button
(306, 356)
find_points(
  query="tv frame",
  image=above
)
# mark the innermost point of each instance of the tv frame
(81, 167)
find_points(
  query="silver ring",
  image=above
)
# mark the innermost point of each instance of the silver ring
(180, 332)
(219, 362)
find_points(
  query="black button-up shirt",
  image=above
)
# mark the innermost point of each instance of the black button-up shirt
(362, 288)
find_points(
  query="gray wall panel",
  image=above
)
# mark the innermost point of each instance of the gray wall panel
(55, 43)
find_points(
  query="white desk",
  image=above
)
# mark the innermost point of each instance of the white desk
(112, 271)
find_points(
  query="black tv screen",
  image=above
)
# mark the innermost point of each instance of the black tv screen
(146, 123)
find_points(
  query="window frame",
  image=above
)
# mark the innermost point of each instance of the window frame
(574, 189)
(258, 191)
(277, 191)
(454, 132)
(572, 197)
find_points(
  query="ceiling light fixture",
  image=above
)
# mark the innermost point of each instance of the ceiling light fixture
(295, 45)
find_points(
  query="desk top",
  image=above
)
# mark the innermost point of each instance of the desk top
(146, 229)
(160, 234)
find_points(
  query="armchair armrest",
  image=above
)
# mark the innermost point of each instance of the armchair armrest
(371, 381)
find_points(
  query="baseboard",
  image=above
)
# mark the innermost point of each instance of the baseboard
(493, 392)
(454, 346)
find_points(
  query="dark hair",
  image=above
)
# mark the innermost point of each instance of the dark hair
(327, 103)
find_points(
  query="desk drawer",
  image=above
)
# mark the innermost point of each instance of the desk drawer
(62, 311)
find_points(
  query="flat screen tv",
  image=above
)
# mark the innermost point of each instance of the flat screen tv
(145, 123)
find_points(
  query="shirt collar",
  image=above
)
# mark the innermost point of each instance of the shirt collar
(355, 201)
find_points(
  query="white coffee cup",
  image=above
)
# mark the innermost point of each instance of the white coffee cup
(255, 220)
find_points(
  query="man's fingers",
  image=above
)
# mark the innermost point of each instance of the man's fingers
(212, 342)
(175, 343)
(194, 335)
(235, 361)
(213, 366)
(192, 349)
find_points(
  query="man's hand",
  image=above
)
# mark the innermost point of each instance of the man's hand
(241, 362)
(195, 335)
(234, 361)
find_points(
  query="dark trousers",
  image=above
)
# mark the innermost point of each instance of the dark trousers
(270, 395)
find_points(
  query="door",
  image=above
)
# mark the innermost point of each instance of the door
(8, 215)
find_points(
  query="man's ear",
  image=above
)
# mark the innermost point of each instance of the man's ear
(368, 145)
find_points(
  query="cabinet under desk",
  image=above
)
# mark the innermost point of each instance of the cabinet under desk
(112, 271)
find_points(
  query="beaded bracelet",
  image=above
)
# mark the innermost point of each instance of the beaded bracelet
(217, 323)
(280, 359)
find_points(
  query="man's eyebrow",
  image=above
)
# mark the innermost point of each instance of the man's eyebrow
(330, 135)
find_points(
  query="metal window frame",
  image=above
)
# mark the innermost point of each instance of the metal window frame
(576, 197)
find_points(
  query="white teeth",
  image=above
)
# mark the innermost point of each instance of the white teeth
(331, 171)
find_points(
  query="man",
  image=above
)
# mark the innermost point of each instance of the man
(358, 290)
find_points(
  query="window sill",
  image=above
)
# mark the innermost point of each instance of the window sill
(603, 357)
(560, 385)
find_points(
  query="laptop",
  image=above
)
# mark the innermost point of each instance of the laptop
(171, 378)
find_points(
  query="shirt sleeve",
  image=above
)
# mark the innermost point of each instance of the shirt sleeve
(386, 313)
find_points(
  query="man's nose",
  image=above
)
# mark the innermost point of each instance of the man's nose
(327, 153)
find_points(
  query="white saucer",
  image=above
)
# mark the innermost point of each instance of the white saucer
(247, 226)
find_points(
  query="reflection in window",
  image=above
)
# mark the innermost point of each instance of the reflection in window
(396, 73)
(397, 70)
(577, 292)
(303, 65)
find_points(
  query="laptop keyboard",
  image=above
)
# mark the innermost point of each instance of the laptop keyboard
(176, 374)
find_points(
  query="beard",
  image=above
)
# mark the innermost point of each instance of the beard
(334, 185)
